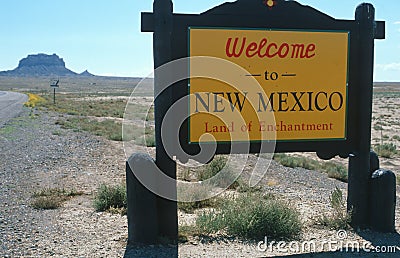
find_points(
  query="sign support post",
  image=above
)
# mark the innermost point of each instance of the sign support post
(359, 161)
(54, 85)
(166, 209)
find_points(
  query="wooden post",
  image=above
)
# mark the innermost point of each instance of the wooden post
(142, 203)
(166, 209)
(359, 162)
(383, 201)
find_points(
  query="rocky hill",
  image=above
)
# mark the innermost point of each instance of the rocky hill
(86, 73)
(42, 65)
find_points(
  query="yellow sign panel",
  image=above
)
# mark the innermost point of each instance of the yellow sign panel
(255, 85)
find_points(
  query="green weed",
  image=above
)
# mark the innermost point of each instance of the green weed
(199, 195)
(386, 150)
(334, 170)
(110, 197)
(396, 137)
(340, 218)
(212, 171)
(107, 128)
(251, 216)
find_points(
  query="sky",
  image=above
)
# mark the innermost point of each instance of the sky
(104, 36)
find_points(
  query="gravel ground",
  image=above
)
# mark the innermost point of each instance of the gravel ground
(35, 154)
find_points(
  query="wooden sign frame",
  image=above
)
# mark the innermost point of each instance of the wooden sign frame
(171, 43)
(288, 15)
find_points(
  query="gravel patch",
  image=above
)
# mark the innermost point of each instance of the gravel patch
(37, 154)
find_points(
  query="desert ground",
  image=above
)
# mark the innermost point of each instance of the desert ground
(68, 147)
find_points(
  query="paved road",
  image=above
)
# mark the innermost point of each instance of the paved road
(11, 104)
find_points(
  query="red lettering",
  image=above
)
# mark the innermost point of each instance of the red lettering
(310, 50)
(263, 42)
(233, 53)
(235, 48)
(283, 55)
(251, 48)
(268, 50)
(298, 50)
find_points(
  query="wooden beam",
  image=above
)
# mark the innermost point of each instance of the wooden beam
(147, 22)
(380, 30)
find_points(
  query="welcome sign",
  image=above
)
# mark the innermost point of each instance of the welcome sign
(307, 84)
(302, 78)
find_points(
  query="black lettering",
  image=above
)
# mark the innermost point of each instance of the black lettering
(331, 101)
(310, 93)
(297, 99)
(238, 103)
(261, 101)
(206, 106)
(216, 101)
(282, 101)
(317, 106)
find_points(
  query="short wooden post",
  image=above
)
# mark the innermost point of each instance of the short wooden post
(383, 201)
(142, 205)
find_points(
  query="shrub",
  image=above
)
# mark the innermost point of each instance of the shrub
(110, 197)
(334, 170)
(294, 162)
(34, 100)
(58, 133)
(252, 216)
(184, 173)
(147, 139)
(378, 127)
(386, 150)
(213, 168)
(116, 136)
(47, 203)
(150, 141)
(243, 186)
(340, 218)
(184, 231)
(199, 195)
(225, 178)
(150, 136)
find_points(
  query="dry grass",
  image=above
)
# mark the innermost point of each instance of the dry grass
(69, 104)
(108, 128)
(52, 198)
